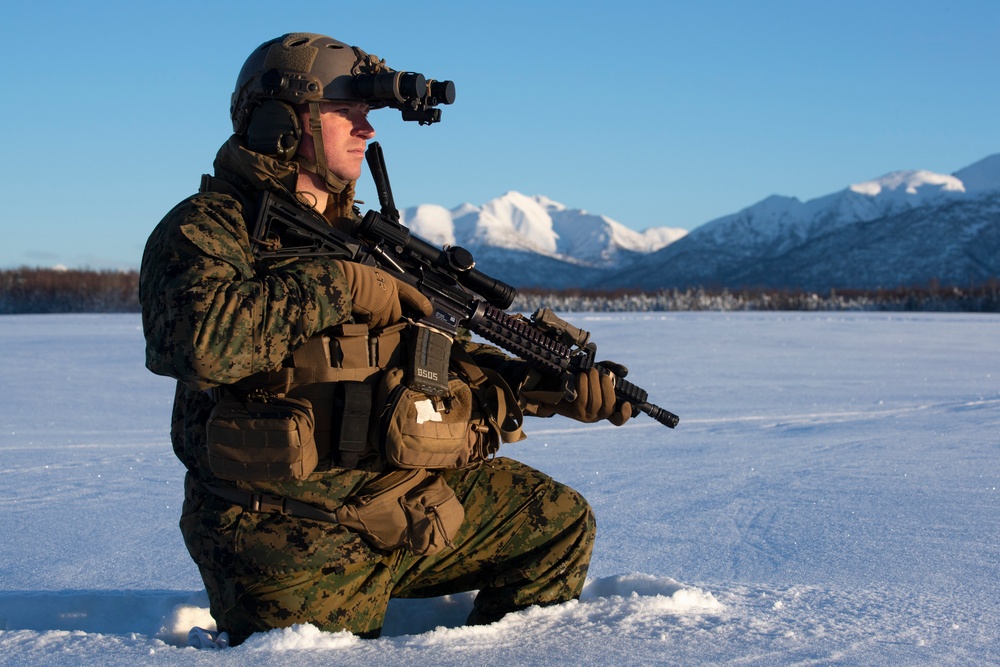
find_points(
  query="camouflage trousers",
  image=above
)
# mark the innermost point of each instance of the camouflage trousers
(526, 540)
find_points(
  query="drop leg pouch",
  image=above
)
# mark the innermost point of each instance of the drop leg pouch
(414, 509)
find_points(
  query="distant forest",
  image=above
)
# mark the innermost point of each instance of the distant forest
(68, 291)
(26, 290)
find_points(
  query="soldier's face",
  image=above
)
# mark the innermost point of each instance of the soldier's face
(346, 131)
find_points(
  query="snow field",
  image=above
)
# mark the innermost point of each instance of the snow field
(830, 497)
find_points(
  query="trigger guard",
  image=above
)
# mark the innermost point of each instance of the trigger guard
(568, 387)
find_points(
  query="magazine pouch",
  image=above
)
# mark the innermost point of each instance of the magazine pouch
(421, 431)
(414, 509)
(263, 439)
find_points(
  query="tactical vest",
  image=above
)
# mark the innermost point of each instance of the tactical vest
(360, 411)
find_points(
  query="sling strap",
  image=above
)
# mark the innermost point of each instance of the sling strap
(498, 401)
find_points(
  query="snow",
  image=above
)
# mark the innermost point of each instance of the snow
(777, 223)
(516, 221)
(909, 182)
(661, 237)
(431, 222)
(829, 497)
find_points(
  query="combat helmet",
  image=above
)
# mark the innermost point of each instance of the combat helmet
(306, 68)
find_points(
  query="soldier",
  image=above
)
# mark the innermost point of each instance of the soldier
(318, 484)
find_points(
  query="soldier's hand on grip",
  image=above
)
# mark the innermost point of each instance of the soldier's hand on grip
(595, 400)
(377, 298)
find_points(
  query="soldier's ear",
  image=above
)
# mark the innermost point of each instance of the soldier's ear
(274, 129)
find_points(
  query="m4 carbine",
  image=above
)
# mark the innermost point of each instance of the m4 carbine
(461, 295)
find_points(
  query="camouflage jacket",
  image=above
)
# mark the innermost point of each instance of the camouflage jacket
(213, 315)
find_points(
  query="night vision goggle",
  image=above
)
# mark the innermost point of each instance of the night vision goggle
(413, 94)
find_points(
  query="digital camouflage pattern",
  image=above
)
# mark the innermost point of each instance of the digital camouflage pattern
(526, 540)
(212, 316)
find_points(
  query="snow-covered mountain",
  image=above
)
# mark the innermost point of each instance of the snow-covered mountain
(535, 241)
(904, 228)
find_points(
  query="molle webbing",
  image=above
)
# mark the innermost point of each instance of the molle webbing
(353, 407)
(336, 374)
(351, 356)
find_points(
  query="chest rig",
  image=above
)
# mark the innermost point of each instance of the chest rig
(339, 373)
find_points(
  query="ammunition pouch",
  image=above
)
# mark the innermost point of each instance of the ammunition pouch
(262, 439)
(421, 431)
(338, 374)
(464, 426)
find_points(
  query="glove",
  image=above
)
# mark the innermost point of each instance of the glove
(595, 400)
(377, 298)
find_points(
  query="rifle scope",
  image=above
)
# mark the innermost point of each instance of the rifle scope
(457, 261)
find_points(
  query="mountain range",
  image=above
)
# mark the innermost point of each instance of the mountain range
(903, 229)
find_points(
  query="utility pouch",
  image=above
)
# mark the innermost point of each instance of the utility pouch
(269, 439)
(414, 509)
(421, 431)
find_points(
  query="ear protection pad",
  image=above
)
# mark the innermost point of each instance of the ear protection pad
(274, 129)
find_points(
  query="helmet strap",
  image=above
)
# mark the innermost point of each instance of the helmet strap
(334, 184)
(316, 126)
(341, 191)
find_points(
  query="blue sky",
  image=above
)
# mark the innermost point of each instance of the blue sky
(653, 113)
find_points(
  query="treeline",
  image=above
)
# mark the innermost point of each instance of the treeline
(68, 291)
(82, 291)
(977, 299)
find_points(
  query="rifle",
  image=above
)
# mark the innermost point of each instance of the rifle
(460, 294)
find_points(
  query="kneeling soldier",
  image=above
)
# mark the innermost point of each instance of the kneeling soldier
(319, 485)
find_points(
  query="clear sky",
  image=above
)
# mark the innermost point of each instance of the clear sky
(654, 113)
